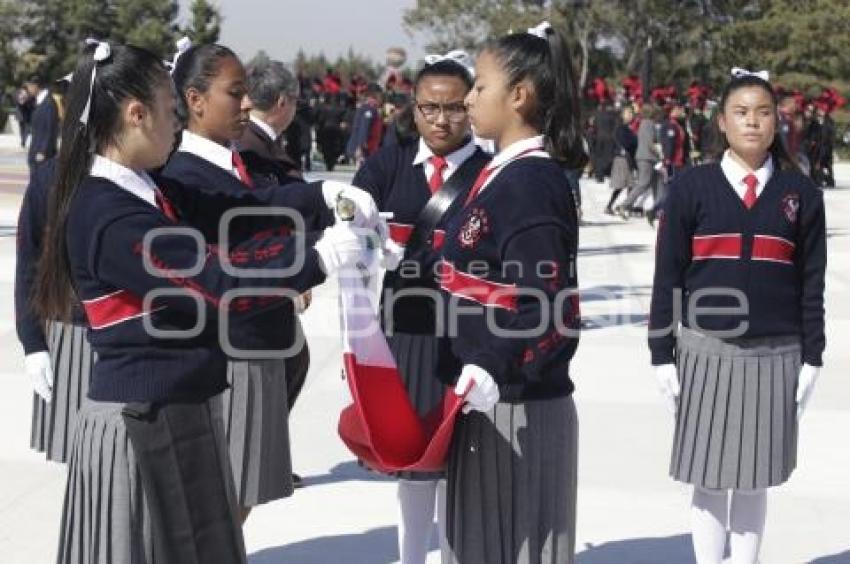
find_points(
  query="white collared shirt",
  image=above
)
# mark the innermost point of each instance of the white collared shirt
(41, 96)
(210, 151)
(267, 129)
(453, 160)
(139, 184)
(529, 147)
(735, 174)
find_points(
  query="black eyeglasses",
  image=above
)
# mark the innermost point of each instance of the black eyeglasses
(455, 112)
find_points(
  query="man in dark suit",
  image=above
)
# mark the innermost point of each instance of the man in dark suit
(273, 92)
(44, 125)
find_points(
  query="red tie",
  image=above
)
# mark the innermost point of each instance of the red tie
(479, 182)
(436, 181)
(486, 172)
(239, 165)
(750, 195)
(164, 205)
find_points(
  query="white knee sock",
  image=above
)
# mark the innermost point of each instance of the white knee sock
(709, 510)
(746, 522)
(416, 501)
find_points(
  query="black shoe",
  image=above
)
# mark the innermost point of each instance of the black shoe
(650, 217)
(609, 211)
(297, 481)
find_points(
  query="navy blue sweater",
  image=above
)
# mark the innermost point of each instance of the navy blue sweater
(399, 187)
(31, 221)
(106, 227)
(774, 255)
(44, 136)
(274, 329)
(510, 259)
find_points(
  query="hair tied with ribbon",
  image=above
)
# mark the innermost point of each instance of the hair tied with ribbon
(738, 72)
(183, 44)
(101, 53)
(458, 56)
(541, 30)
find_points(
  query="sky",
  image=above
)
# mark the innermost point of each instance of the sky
(281, 27)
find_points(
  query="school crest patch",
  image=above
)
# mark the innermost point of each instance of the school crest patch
(476, 225)
(791, 207)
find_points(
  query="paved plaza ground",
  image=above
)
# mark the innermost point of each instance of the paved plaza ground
(629, 511)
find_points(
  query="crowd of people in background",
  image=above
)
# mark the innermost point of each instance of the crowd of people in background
(641, 146)
(638, 145)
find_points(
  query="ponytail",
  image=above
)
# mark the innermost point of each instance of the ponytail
(129, 72)
(52, 295)
(562, 126)
(544, 59)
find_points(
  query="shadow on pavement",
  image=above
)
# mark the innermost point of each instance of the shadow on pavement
(349, 471)
(658, 550)
(377, 546)
(843, 558)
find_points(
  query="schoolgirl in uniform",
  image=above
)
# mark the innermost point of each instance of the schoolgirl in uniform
(623, 166)
(212, 85)
(508, 273)
(743, 239)
(423, 181)
(58, 357)
(148, 475)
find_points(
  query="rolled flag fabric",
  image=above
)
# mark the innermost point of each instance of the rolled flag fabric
(381, 427)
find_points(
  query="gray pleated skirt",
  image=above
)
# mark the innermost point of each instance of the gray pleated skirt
(736, 422)
(256, 422)
(512, 480)
(416, 358)
(105, 519)
(621, 173)
(53, 423)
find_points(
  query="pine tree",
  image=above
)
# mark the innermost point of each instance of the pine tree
(206, 23)
(147, 23)
(10, 31)
(45, 29)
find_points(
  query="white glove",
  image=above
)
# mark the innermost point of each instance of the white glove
(668, 384)
(391, 254)
(367, 212)
(303, 301)
(38, 368)
(805, 387)
(339, 247)
(483, 394)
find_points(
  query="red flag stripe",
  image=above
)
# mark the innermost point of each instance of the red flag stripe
(722, 246)
(112, 309)
(400, 232)
(773, 249)
(439, 239)
(477, 289)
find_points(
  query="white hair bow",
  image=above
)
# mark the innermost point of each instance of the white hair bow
(738, 72)
(540, 30)
(458, 56)
(183, 44)
(101, 53)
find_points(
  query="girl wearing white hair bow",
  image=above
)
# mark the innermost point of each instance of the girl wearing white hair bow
(740, 265)
(509, 278)
(423, 182)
